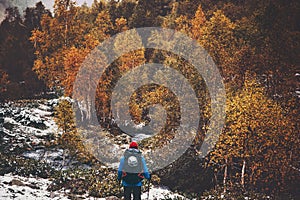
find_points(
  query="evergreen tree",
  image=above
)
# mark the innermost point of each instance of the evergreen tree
(16, 52)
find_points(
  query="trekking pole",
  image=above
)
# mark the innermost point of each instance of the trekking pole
(148, 188)
(120, 187)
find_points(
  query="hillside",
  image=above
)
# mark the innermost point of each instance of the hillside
(208, 89)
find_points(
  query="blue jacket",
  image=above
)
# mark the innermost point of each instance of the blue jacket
(146, 173)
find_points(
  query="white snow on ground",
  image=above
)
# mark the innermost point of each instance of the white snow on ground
(11, 121)
(28, 122)
(140, 137)
(22, 116)
(161, 193)
(17, 187)
(21, 188)
(19, 119)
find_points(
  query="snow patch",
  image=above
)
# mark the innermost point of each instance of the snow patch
(20, 188)
(161, 193)
(40, 112)
(10, 121)
(140, 137)
(17, 187)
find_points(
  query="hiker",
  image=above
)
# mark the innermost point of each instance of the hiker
(132, 170)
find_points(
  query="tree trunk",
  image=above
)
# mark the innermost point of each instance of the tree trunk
(243, 173)
(215, 180)
(225, 174)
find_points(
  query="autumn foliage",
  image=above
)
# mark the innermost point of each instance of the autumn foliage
(255, 45)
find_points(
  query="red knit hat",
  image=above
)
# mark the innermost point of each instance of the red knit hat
(133, 145)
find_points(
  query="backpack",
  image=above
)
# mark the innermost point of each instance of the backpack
(133, 167)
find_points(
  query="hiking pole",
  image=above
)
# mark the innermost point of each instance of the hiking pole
(148, 188)
(119, 184)
(120, 187)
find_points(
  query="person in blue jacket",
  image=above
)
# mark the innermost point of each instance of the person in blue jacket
(132, 170)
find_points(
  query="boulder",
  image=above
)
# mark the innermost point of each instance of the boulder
(16, 182)
(112, 198)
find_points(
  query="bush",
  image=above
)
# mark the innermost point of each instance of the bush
(24, 167)
(236, 192)
(97, 181)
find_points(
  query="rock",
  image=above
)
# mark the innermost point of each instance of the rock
(20, 192)
(1, 117)
(54, 187)
(11, 190)
(38, 125)
(33, 186)
(16, 182)
(112, 198)
(8, 125)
